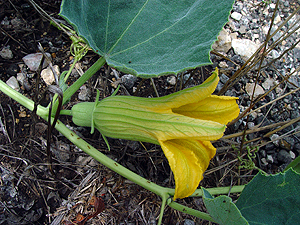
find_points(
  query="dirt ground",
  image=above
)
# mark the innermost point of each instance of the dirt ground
(30, 193)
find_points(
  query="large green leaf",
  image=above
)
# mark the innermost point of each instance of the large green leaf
(273, 199)
(223, 210)
(149, 37)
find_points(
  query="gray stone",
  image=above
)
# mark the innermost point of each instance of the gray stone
(223, 78)
(84, 94)
(297, 148)
(258, 89)
(251, 125)
(62, 151)
(264, 161)
(171, 80)
(284, 157)
(13, 83)
(243, 29)
(189, 222)
(6, 53)
(33, 61)
(128, 80)
(297, 53)
(295, 80)
(268, 83)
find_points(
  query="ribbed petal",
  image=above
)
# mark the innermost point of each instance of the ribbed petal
(221, 109)
(123, 117)
(188, 160)
(186, 96)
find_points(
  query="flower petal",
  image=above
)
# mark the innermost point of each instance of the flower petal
(221, 109)
(183, 97)
(188, 160)
(124, 117)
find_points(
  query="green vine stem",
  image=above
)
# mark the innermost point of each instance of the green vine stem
(190, 211)
(164, 193)
(87, 75)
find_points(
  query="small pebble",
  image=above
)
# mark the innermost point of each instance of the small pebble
(293, 156)
(84, 94)
(270, 159)
(33, 61)
(47, 74)
(264, 161)
(235, 15)
(257, 92)
(273, 137)
(171, 80)
(284, 157)
(6, 53)
(128, 80)
(13, 83)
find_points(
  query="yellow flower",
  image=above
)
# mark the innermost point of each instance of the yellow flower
(183, 123)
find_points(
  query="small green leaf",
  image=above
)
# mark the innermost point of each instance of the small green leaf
(223, 210)
(61, 81)
(273, 199)
(295, 164)
(148, 37)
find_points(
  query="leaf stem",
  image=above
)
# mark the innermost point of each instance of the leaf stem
(190, 211)
(87, 75)
(219, 190)
(66, 112)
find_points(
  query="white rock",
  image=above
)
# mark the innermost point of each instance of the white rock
(270, 159)
(273, 138)
(236, 16)
(244, 47)
(21, 78)
(6, 53)
(258, 89)
(171, 80)
(272, 6)
(13, 83)
(277, 19)
(264, 161)
(274, 54)
(223, 65)
(293, 156)
(269, 82)
(265, 29)
(47, 74)
(223, 44)
(243, 29)
(255, 36)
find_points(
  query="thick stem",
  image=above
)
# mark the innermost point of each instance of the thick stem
(29, 104)
(190, 211)
(219, 190)
(106, 161)
(87, 75)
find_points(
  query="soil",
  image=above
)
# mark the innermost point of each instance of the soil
(31, 193)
